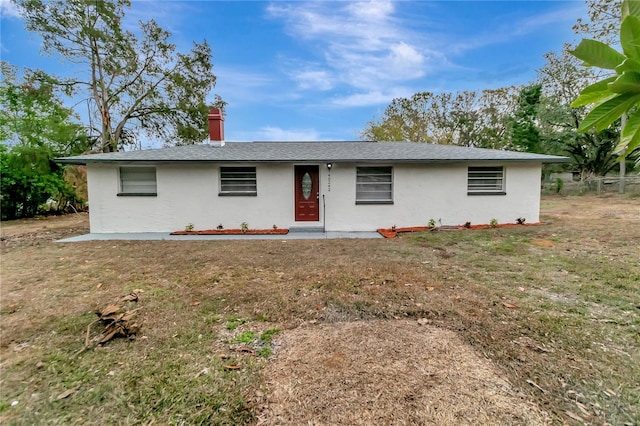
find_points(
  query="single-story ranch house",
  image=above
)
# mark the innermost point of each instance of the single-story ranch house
(333, 186)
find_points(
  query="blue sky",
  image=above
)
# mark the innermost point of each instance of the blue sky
(321, 70)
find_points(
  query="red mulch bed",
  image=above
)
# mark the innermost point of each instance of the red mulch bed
(234, 232)
(393, 232)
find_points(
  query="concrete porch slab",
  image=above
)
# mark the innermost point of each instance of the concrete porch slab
(162, 236)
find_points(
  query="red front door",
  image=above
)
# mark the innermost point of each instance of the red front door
(307, 193)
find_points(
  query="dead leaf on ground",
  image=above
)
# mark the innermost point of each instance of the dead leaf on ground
(110, 335)
(127, 316)
(535, 385)
(232, 367)
(108, 310)
(110, 318)
(118, 322)
(246, 350)
(583, 409)
(510, 305)
(66, 394)
(574, 416)
(196, 303)
(531, 344)
(131, 297)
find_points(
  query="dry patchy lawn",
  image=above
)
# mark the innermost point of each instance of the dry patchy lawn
(540, 324)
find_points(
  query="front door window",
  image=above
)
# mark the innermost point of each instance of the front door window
(307, 186)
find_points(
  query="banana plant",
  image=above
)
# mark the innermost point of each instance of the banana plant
(619, 94)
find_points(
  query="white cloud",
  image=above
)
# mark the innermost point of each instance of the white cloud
(561, 16)
(168, 14)
(269, 133)
(238, 86)
(371, 10)
(8, 9)
(362, 44)
(373, 97)
(363, 48)
(314, 79)
(565, 16)
(405, 58)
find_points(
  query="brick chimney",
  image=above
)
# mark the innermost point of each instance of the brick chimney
(216, 126)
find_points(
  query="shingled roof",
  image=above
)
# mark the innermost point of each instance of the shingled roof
(311, 152)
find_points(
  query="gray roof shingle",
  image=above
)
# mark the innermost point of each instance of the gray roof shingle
(279, 152)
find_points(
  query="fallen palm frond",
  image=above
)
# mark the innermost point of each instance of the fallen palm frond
(118, 320)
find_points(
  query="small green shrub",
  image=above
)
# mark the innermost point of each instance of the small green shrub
(432, 223)
(494, 223)
(189, 227)
(559, 185)
(264, 352)
(235, 322)
(244, 227)
(246, 337)
(267, 335)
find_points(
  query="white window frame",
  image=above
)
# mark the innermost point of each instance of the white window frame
(238, 181)
(136, 181)
(368, 182)
(486, 180)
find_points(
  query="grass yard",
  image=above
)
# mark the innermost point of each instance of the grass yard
(549, 314)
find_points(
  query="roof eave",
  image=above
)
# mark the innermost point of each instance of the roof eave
(548, 160)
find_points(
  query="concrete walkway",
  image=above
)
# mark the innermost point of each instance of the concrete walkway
(156, 236)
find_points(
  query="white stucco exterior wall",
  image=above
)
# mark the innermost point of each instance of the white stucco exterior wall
(439, 192)
(188, 193)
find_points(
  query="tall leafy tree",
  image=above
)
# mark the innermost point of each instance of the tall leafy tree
(466, 118)
(494, 107)
(28, 179)
(618, 95)
(34, 129)
(604, 20)
(403, 120)
(593, 153)
(524, 133)
(132, 81)
(31, 114)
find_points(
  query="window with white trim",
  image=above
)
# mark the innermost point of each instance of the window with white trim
(138, 181)
(374, 185)
(485, 181)
(238, 181)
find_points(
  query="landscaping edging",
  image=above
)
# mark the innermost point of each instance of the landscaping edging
(233, 232)
(393, 232)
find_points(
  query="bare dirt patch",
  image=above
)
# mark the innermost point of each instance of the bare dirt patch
(607, 208)
(43, 229)
(387, 372)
